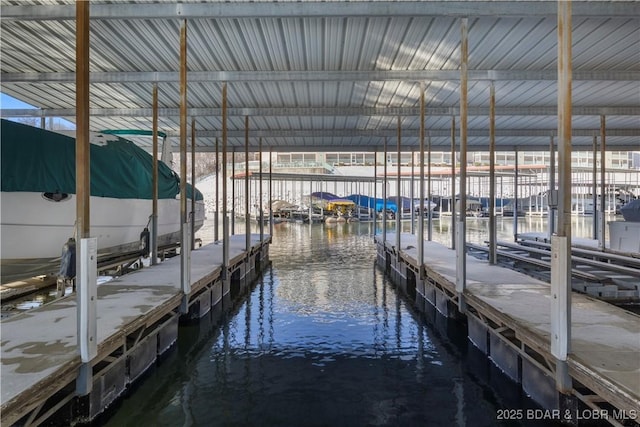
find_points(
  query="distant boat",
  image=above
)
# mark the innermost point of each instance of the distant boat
(39, 204)
(631, 211)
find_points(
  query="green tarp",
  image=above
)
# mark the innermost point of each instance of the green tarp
(38, 160)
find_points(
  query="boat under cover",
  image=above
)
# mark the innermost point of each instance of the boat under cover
(38, 208)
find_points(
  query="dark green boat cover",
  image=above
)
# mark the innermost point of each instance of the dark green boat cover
(38, 160)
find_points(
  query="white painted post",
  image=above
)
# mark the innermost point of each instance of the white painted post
(186, 270)
(87, 286)
(559, 339)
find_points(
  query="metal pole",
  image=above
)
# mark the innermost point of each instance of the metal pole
(421, 208)
(492, 175)
(461, 249)
(247, 209)
(452, 205)
(603, 162)
(561, 244)
(398, 201)
(154, 202)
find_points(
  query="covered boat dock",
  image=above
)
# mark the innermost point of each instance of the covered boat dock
(380, 76)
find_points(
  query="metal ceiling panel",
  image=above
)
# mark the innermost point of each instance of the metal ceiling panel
(518, 40)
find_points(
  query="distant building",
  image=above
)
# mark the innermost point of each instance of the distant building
(579, 159)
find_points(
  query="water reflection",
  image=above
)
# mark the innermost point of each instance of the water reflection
(323, 339)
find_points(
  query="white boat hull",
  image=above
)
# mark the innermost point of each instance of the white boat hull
(32, 236)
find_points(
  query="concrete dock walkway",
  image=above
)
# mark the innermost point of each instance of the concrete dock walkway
(39, 348)
(605, 339)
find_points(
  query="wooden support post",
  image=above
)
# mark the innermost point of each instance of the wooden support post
(429, 195)
(411, 192)
(561, 244)
(493, 258)
(461, 248)
(192, 215)
(422, 204)
(154, 182)
(185, 247)
(384, 196)
(552, 197)
(225, 218)
(594, 188)
(216, 234)
(398, 190)
(86, 286)
(247, 205)
(261, 213)
(516, 195)
(602, 235)
(452, 205)
(233, 192)
(270, 192)
(375, 192)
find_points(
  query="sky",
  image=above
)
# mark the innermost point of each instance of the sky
(9, 102)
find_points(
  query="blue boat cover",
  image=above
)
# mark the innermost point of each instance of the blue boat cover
(323, 195)
(365, 201)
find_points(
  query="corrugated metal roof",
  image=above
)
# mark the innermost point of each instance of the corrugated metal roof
(332, 75)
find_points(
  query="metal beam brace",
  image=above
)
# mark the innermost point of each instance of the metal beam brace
(320, 111)
(460, 9)
(319, 76)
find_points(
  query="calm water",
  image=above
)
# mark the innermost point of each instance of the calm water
(477, 232)
(322, 340)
